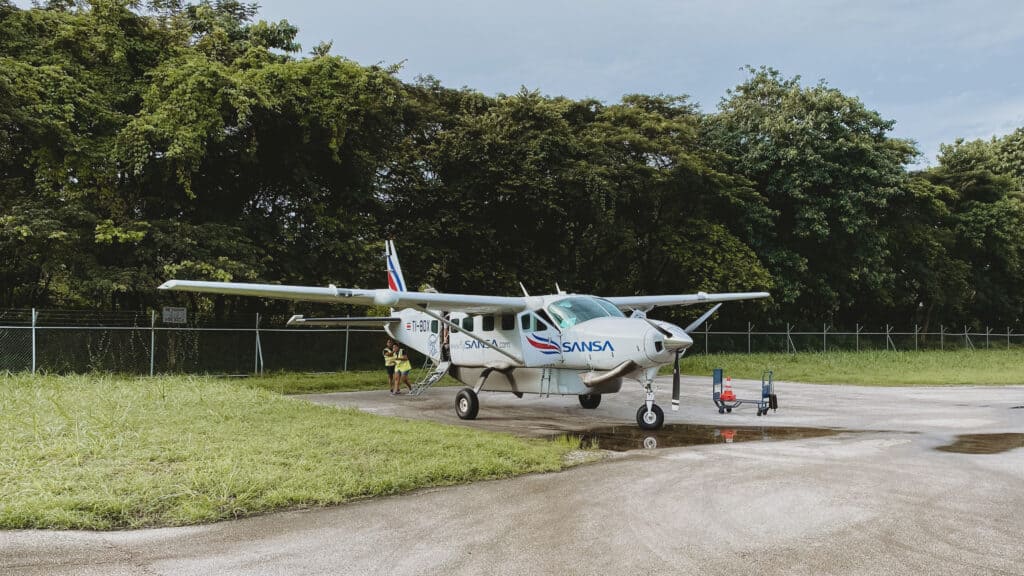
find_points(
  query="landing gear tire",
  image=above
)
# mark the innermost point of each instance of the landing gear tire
(652, 419)
(590, 401)
(466, 404)
(729, 410)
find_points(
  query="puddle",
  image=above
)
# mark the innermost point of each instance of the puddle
(985, 443)
(629, 437)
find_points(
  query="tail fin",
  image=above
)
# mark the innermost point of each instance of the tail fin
(396, 281)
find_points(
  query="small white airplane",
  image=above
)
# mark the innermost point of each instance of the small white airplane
(563, 344)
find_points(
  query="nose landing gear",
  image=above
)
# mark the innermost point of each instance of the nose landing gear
(650, 416)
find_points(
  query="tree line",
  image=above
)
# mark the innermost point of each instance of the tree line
(147, 141)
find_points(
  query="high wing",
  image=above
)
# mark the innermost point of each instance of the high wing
(472, 303)
(648, 302)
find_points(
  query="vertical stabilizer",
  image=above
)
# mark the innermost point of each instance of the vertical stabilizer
(396, 281)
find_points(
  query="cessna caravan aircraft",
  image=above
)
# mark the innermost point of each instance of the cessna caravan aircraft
(563, 344)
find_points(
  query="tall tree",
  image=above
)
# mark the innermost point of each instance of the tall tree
(827, 168)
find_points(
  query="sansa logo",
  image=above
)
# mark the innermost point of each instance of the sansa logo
(546, 346)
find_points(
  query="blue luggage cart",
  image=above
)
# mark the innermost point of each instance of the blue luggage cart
(768, 400)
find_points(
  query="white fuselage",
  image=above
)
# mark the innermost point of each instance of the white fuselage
(555, 347)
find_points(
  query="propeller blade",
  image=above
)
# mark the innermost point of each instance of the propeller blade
(702, 319)
(675, 382)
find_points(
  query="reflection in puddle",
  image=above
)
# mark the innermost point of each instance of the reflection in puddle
(622, 438)
(985, 443)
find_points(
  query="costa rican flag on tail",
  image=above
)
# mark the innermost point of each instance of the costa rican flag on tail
(396, 281)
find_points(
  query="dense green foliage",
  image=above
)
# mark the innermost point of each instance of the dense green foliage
(144, 142)
(105, 452)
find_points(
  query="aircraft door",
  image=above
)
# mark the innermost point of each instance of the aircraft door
(541, 342)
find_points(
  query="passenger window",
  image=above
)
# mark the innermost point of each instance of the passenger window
(508, 322)
(488, 324)
(526, 322)
(433, 326)
(467, 323)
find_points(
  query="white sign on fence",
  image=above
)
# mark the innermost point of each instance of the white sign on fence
(175, 315)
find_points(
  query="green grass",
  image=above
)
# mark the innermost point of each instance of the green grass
(877, 368)
(105, 452)
(356, 381)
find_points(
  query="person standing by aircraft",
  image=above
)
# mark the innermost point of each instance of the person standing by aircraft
(389, 363)
(402, 368)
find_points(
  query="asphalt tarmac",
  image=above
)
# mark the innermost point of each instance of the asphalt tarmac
(877, 496)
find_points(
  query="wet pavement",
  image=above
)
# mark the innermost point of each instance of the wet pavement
(864, 491)
(984, 443)
(630, 437)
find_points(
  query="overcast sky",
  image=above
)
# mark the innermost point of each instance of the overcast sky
(942, 69)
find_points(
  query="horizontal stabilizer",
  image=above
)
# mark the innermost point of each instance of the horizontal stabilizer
(299, 320)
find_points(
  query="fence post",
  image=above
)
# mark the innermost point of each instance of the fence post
(750, 328)
(942, 337)
(258, 367)
(35, 314)
(824, 336)
(345, 367)
(857, 337)
(915, 337)
(789, 339)
(152, 340)
(988, 335)
(707, 337)
(1008, 337)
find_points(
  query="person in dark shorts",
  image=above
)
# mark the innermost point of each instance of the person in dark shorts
(389, 364)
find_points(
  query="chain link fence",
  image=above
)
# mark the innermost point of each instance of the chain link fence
(830, 339)
(62, 341)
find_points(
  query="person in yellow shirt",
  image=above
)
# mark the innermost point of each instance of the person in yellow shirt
(402, 369)
(389, 364)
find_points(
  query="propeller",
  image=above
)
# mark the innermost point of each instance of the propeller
(679, 354)
(693, 326)
(670, 341)
(675, 381)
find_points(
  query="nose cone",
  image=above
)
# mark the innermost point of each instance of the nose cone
(662, 349)
(680, 341)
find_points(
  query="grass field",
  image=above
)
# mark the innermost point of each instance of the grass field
(878, 368)
(296, 383)
(104, 452)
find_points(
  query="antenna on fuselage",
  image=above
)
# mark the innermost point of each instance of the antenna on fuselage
(525, 293)
(558, 290)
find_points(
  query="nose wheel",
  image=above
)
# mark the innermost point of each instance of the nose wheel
(650, 419)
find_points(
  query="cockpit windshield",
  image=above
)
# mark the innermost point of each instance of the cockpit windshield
(573, 310)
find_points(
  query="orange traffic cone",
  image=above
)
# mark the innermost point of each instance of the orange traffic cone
(728, 395)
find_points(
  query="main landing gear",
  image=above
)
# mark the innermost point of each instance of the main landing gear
(649, 416)
(466, 404)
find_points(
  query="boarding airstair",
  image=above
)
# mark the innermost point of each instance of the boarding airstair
(434, 372)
